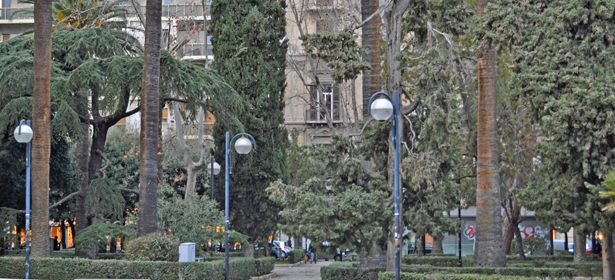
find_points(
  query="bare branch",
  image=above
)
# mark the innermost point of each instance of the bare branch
(379, 11)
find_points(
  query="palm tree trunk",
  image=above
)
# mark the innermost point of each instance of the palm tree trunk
(489, 247)
(370, 40)
(149, 120)
(41, 124)
(607, 257)
(580, 255)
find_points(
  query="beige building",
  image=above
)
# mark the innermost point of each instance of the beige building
(316, 107)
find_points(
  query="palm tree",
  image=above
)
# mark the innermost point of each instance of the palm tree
(149, 120)
(108, 14)
(41, 124)
(489, 243)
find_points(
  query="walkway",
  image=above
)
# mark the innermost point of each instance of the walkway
(300, 272)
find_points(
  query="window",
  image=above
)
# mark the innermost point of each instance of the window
(324, 103)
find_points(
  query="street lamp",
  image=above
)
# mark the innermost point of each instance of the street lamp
(23, 134)
(243, 146)
(214, 169)
(382, 109)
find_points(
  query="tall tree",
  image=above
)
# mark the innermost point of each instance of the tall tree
(489, 250)
(563, 55)
(150, 107)
(41, 124)
(250, 50)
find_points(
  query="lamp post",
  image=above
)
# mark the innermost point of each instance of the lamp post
(214, 169)
(382, 109)
(243, 146)
(23, 134)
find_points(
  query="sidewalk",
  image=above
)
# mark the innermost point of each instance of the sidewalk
(300, 272)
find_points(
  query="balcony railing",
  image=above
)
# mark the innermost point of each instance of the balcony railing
(195, 49)
(5, 13)
(316, 115)
(174, 10)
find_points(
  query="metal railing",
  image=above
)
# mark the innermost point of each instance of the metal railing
(5, 14)
(174, 10)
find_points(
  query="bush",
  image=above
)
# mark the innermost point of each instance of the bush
(416, 276)
(349, 271)
(585, 269)
(263, 266)
(514, 271)
(296, 255)
(153, 247)
(65, 269)
(441, 260)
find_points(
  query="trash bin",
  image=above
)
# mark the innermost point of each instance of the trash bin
(187, 252)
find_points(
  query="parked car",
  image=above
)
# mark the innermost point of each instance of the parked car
(279, 249)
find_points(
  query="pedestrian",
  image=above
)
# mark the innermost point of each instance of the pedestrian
(313, 254)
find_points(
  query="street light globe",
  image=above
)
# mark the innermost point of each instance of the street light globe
(243, 145)
(216, 168)
(381, 109)
(25, 135)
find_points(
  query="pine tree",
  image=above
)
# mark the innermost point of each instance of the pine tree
(562, 73)
(250, 51)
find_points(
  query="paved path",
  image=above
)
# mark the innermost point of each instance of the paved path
(300, 272)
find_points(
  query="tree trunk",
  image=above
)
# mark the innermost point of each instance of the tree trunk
(370, 39)
(83, 158)
(149, 120)
(566, 248)
(192, 168)
(248, 251)
(437, 245)
(41, 125)
(376, 257)
(608, 273)
(62, 234)
(580, 255)
(519, 242)
(489, 247)
(508, 237)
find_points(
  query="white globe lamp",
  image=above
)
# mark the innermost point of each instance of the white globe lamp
(243, 145)
(25, 135)
(381, 109)
(216, 168)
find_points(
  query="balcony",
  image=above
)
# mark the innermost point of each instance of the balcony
(317, 116)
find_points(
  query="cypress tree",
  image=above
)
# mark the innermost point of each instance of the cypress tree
(250, 53)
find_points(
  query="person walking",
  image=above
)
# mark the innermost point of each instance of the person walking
(313, 254)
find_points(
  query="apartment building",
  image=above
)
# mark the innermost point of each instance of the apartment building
(316, 107)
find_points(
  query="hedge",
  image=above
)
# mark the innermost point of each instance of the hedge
(516, 271)
(553, 258)
(585, 269)
(263, 266)
(441, 260)
(61, 269)
(296, 255)
(416, 276)
(349, 271)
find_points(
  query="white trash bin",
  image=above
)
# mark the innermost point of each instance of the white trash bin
(187, 252)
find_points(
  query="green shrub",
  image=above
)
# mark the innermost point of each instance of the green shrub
(69, 269)
(153, 247)
(349, 271)
(263, 266)
(585, 269)
(416, 276)
(296, 255)
(438, 260)
(110, 256)
(515, 271)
